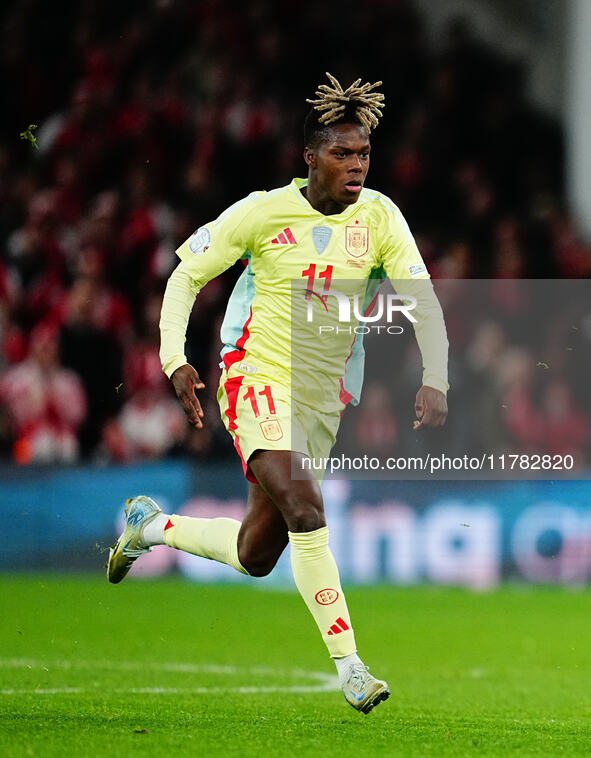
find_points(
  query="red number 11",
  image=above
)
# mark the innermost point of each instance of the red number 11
(250, 395)
(310, 272)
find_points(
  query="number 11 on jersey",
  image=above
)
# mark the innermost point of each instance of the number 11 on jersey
(310, 272)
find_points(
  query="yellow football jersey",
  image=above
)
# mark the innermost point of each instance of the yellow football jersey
(295, 258)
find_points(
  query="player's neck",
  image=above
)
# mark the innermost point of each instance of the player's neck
(320, 201)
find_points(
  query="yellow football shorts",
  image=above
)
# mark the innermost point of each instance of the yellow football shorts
(259, 414)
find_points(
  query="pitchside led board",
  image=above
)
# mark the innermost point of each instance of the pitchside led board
(473, 534)
(519, 372)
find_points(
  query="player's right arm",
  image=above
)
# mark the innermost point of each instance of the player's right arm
(207, 253)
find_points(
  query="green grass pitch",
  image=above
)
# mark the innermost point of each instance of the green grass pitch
(170, 668)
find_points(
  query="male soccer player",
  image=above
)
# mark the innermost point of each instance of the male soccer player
(325, 229)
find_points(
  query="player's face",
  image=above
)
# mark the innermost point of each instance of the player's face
(339, 166)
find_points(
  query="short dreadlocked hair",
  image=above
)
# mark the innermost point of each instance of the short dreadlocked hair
(355, 105)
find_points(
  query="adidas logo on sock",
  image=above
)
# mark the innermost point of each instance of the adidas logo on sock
(284, 238)
(339, 626)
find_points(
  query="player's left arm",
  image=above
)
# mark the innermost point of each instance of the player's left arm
(409, 276)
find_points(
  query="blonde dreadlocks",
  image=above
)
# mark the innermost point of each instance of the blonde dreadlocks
(333, 101)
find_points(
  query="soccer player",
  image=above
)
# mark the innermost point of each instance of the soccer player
(326, 229)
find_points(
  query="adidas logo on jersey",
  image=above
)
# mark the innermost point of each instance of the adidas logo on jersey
(338, 627)
(284, 238)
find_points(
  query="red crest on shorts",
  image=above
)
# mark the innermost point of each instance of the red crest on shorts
(271, 430)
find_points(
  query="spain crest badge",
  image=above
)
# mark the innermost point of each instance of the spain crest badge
(271, 430)
(357, 240)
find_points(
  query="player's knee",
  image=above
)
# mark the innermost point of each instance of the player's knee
(304, 515)
(300, 505)
(256, 567)
(259, 570)
(307, 521)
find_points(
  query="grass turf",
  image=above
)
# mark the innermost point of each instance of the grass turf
(88, 669)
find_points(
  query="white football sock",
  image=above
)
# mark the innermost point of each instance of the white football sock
(343, 664)
(153, 531)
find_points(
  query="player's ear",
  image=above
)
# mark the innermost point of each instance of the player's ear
(310, 157)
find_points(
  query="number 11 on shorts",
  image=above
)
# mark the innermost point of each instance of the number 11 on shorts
(266, 392)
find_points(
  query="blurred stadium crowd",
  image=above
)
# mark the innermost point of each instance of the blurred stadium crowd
(155, 116)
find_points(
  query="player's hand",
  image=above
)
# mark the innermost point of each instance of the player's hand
(185, 381)
(430, 408)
